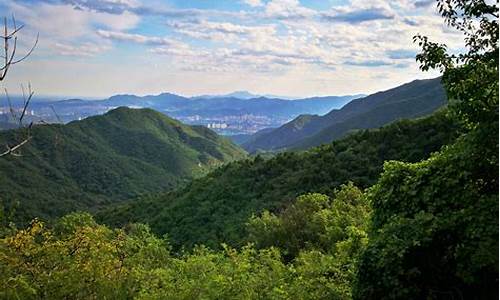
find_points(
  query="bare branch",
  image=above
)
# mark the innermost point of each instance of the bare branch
(13, 32)
(11, 109)
(29, 52)
(9, 59)
(12, 150)
(9, 56)
(26, 103)
(55, 113)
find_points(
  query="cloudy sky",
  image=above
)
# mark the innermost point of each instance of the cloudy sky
(96, 48)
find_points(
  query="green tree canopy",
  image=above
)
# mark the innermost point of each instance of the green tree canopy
(434, 230)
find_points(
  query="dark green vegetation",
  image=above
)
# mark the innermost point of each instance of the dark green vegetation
(411, 100)
(435, 223)
(435, 228)
(106, 159)
(213, 209)
(425, 229)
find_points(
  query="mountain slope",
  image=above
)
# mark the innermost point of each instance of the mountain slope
(105, 159)
(215, 208)
(414, 99)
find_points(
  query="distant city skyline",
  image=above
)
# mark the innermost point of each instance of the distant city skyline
(98, 48)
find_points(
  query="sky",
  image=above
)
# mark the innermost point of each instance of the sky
(98, 48)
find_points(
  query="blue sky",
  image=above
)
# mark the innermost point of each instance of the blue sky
(96, 48)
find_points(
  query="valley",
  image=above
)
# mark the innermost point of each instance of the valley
(147, 194)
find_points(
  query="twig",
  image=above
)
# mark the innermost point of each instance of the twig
(26, 103)
(9, 59)
(55, 113)
(9, 56)
(11, 109)
(11, 150)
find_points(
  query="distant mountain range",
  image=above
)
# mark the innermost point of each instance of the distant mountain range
(243, 95)
(106, 159)
(411, 100)
(236, 113)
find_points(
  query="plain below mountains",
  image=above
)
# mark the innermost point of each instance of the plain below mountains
(411, 100)
(104, 159)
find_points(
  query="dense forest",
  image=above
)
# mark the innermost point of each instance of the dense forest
(409, 211)
(106, 159)
(213, 209)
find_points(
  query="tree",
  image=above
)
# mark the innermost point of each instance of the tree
(10, 58)
(434, 230)
(321, 238)
(470, 78)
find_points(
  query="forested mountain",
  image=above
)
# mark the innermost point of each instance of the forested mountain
(407, 211)
(214, 209)
(414, 99)
(105, 159)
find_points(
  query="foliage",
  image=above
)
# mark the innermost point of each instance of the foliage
(106, 159)
(435, 230)
(427, 229)
(79, 259)
(312, 222)
(435, 223)
(213, 209)
(326, 236)
(470, 78)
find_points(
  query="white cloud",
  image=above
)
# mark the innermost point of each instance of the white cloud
(135, 38)
(82, 50)
(124, 21)
(220, 31)
(276, 46)
(253, 3)
(65, 22)
(67, 31)
(287, 9)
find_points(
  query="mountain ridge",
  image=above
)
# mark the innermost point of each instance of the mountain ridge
(426, 95)
(107, 158)
(214, 208)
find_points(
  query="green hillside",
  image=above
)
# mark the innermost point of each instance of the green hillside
(417, 217)
(215, 208)
(415, 99)
(105, 159)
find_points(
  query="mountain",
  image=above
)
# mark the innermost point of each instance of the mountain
(181, 106)
(237, 94)
(106, 159)
(414, 99)
(244, 95)
(240, 139)
(214, 209)
(239, 116)
(5, 125)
